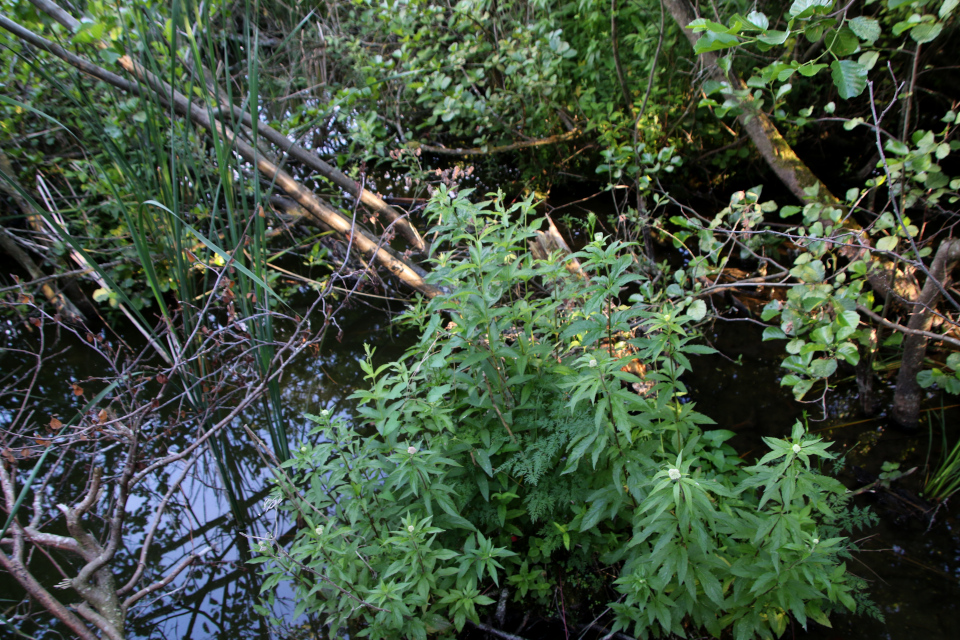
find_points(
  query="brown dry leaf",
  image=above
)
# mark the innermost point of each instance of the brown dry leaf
(25, 298)
(35, 322)
(102, 416)
(77, 390)
(12, 459)
(42, 442)
(162, 379)
(55, 424)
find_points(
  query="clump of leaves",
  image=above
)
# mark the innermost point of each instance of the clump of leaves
(509, 440)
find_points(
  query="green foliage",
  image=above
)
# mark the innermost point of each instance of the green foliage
(944, 479)
(841, 34)
(509, 440)
(483, 74)
(819, 318)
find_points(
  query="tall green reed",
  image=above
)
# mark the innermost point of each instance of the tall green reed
(182, 193)
(944, 480)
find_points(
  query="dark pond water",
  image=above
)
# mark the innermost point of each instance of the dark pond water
(913, 567)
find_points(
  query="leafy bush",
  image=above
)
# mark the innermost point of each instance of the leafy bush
(509, 449)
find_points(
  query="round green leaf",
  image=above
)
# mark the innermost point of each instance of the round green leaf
(926, 32)
(697, 310)
(758, 20)
(823, 367)
(842, 42)
(794, 346)
(800, 389)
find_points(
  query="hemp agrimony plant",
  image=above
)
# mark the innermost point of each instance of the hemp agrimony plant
(509, 455)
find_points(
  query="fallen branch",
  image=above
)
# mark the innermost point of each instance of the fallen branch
(308, 158)
(879, 483)
(486, 151)
(496, 632)
(776, 151)
(318, 209)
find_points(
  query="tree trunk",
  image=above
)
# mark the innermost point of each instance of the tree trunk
(906, 399)
(776, 151)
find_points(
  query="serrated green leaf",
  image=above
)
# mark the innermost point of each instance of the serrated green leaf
(926, 32)
(594, 514)
(867, 29)
(484, 461)
(849, 77)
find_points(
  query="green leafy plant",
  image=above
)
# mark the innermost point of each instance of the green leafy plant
(510, 440)
(944, 480)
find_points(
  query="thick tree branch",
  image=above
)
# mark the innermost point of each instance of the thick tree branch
(776, 151)
(43, 597)
(906, 399)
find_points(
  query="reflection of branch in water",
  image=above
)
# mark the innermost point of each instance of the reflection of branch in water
(217, 522)
(123, 434)
(195, 599)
